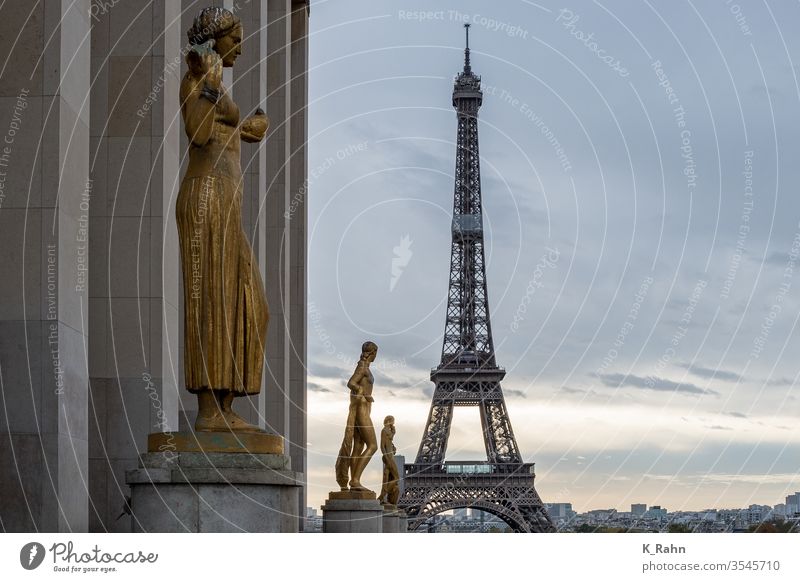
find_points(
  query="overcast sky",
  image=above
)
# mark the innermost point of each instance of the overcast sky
(639, 171)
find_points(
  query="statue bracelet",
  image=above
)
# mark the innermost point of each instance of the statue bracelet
(210, 94)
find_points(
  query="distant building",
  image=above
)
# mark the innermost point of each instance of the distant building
(792, 505)
(460, 514)
(756, 514)
(638, 509)
(600, 515)
(707, 515)
(313, 521)
(560, 511)
(656, 512)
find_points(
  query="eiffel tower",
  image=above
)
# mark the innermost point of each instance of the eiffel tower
(468, 375)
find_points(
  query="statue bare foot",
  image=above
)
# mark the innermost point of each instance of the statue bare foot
(355, 485)
(215, 413)
(209, 422)
(236, 423)
(209, 412)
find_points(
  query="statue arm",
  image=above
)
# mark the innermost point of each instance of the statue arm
(198, 114)
(200, 91)
(354, 384)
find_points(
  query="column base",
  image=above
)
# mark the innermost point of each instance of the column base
(391, 518)
(359, 512)
(214, 492)
(261, 443)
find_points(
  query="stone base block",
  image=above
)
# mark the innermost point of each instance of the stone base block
(352, 516)
(214, 492)
(402, 522)
(260, 443)
(352, 494)
(391, 519)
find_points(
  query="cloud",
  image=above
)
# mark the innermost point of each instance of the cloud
(703, 372)
(618, 380)
(736, 414)
(387, 380)
(314, 387)
(326, 371)
(776, 258)
(719, 427)
(515, 392)
(780, 382)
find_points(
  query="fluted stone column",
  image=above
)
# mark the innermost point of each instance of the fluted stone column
(298, 228)
(44, 208)
(277, 243)
(134, 282)
(285, 226)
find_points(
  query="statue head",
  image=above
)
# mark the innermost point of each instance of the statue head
(368, 351)
(223, 27)
(389, 420)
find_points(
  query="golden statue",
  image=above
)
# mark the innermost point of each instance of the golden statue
(359, 442)
(390, 491)
(225, 308)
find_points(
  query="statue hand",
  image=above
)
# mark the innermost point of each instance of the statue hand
(212, 70)
(204, 62)
(255, 127)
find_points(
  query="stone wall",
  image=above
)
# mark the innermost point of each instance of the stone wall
(90, 244)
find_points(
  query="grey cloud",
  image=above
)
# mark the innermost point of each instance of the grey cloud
(780, 382)
(736, 414)
(326, 371)
(777, 259)
(515, 392)
(703, 372)
(651, 383)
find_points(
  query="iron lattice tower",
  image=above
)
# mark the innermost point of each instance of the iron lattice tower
(468, 374)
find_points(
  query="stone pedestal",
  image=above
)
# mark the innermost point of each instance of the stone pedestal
(402, 521)
(214, 492)
(352, 512)
(391, 518)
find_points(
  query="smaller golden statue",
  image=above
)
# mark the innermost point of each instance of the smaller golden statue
(390, 492)
(359, 443)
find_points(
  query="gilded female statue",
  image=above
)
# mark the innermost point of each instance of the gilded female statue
(225, 308)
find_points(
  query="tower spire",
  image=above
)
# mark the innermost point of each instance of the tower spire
(467, 68)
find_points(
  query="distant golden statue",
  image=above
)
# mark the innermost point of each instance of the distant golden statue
(359, 442)
(225, 308)
(390, 491)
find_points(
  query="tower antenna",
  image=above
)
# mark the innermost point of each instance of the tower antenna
(467, 67)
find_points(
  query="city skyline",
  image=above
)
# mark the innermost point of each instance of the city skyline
(633, 268)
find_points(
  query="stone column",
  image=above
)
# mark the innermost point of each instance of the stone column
(44, 225)
(277, 244)
(134, 282)
(298, 228)
(249, 89)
